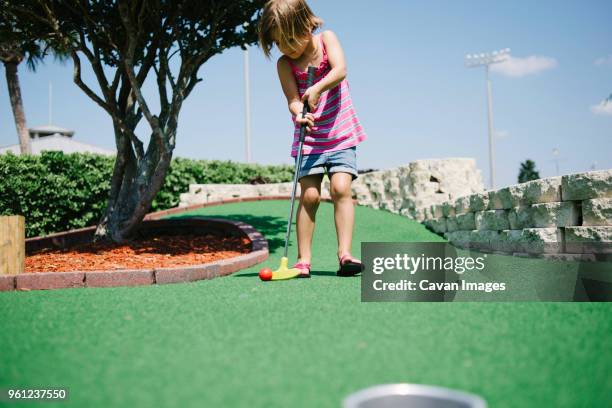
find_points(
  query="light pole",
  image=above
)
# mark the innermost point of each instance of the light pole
(247, 105)
(487, 59)
(50, 103)
(557, 159)
(555, 153)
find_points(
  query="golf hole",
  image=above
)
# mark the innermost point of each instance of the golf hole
(411, 396)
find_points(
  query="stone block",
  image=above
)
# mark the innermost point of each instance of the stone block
(417, 177)
(479, 201)
(448, 208)
(532, 192)
(377, 188)
(507, 241)
(462, 205)
(542, 191)
(541, 240)
(588, 239)
(492, 220)
(391, 183)
(451, 224)
(438, 225)
(460, 239)
(584, 186)
(436, 210)
(466, 222)
(416, 213)
(491, 237)
(506, 197)
(560, 214)
(481, 240)
(597, 211)
(390, 205)
(520, 217)
(361, 193)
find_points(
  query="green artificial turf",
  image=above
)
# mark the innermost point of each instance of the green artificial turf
(237, 341)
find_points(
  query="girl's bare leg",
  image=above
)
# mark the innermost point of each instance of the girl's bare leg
(309, 203)
(344, 212)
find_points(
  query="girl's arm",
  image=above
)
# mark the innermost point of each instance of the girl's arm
(335, 56)
(291, 93)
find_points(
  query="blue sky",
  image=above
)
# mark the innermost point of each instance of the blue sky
(412, 92)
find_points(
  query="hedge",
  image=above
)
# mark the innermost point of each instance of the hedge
(56, 192)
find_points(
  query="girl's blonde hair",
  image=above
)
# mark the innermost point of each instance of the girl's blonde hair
(292, 19)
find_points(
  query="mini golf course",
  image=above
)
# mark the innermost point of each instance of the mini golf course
(237, 341)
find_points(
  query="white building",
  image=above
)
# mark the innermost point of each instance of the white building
(51, 137)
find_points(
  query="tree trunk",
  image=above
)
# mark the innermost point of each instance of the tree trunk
(12, 80)
(134, 185)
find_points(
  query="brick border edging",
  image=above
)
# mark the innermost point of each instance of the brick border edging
(139, 277)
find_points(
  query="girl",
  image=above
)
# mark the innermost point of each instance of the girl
(333, 130)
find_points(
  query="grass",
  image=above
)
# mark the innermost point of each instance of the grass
(236, 341)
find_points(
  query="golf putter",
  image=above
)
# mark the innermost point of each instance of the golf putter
(283, 272)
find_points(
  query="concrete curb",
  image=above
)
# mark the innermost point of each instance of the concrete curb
(49, 280)
(7, 283)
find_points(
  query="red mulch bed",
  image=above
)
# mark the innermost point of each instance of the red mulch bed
(157, 252)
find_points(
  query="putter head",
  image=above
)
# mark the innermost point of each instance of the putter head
(284, 272)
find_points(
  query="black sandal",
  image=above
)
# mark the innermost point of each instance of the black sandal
(350, 267)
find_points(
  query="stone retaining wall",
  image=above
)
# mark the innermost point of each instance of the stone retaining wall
(402, 190)
(209, 193)
(568, 215)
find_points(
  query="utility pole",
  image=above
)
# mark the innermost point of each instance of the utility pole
(50, 103)
(555, 153)
(247, 105)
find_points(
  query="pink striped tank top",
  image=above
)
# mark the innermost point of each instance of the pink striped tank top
(336, 126)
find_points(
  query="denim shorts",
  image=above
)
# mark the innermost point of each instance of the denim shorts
(344, 160)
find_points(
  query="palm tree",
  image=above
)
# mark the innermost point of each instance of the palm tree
(18, 44)
(11, 55)
(15, 46)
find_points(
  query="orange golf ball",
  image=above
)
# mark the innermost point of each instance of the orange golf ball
(265, 274)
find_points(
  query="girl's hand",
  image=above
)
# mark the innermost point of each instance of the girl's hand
(312, 95)
(308, 120)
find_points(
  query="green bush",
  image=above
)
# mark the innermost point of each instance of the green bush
(58, 192)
